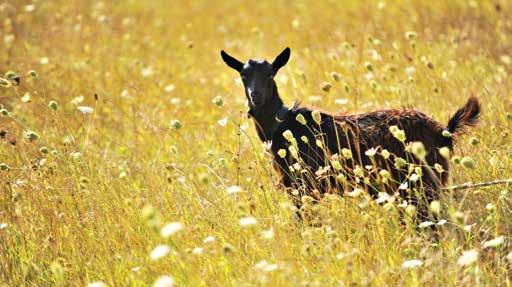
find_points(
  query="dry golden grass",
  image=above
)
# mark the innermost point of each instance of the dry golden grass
(86, 190)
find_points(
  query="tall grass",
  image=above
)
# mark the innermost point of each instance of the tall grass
(134, 159)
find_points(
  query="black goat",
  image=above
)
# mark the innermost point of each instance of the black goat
(404, 151)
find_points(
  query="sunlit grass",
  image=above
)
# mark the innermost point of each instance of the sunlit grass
(127, 158)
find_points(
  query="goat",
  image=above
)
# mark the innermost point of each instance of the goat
(317, 152)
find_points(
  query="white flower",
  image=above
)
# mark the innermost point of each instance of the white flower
(425, 224)
(169, 88)
(341, 102)
(222, 122)
(441, 222)
(164, 281)
(234, 189)
(159, 252)
(147, 72)
(197, 251)
(494, 242)
(268, 234)
(96, 284)
(3, 225)
(247, 221)
(468, 257)
(170, 229)
(85, 109)
(264, 266)
(209, 239)
(410, 71)
(414, 263)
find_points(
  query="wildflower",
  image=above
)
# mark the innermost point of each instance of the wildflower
(159, 252)
(341, 178)
(441, 222)
(170, 229)
(209, 239)
(293, 152)
(164, 281)
(468, 257)
(234, 189)
(414, 177)
(358, 171)
(346, 153)
(44, 61)
(337, 165)
(371, 152)
(317, 117)
(198, 251)
(474, 141)
(435, 207)
(385, 175)
(410, 210)
(356, 192)
(218, 101)
(418, 149)
(439, 168)
(222, 122)
(382, 197)
(268, 234)
(75, 155)
(341, 102)
(176, 124)
(397, 133)
(319, 143)
(26, 97)
(264, 266)
(31, 135)
(147, 72)
(85, 109)
(304, 139)
(287, 134)
(446, 134)
(53, 105)
(467, 162)
(300, 118)
(247, 221)
(410, 264)
(425, 224)
(281, 153)
(96, 284)
(400, 162)
(385, 153)
(494, 242)
(169, 88)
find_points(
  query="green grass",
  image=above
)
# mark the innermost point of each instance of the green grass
(91, 208)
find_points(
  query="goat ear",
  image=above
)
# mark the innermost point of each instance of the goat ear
(281, 59)
(232, 62)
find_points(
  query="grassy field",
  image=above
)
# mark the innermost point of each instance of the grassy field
(127, 156)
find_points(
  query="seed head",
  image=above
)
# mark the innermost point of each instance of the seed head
(468, 162)
(218, 101)
(176, 124)
(301, 119)
(53, 105)
(317, 117)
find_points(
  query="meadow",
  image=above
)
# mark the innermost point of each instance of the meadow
(127, 158)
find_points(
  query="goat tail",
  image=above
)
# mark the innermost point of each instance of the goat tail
(467, 116)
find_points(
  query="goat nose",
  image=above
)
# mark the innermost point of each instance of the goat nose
(255, 94)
